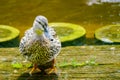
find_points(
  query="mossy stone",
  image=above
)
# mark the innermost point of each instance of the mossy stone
(108, 34)
(69, 33)
(8, 36)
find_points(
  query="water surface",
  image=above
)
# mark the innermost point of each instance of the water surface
(90, 15)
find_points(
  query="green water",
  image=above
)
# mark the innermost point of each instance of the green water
(21, 13)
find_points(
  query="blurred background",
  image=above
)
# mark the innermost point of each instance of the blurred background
(91, 14)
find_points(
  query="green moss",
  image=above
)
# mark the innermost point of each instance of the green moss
(108, 34)
(17, 65)
(7, 33)
(75, 63)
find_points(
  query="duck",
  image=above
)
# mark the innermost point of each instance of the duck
(40, 45)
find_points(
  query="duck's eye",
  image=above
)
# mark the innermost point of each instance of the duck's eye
(51, 39)
(45, 24)
(39, 22)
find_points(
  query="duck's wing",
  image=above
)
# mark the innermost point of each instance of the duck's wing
(55, 43)
(24, 43)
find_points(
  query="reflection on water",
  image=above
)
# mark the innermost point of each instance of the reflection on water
(91, 2)
(21, 13)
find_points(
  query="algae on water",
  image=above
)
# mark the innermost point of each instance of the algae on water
(108, 34)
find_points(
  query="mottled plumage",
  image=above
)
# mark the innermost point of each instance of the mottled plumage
(40, 44)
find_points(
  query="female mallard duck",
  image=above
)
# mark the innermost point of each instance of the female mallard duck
(40, 45)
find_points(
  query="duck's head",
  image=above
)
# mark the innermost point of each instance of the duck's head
(40, 24)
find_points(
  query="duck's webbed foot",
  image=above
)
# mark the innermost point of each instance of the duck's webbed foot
(52, 69)
(35, 67)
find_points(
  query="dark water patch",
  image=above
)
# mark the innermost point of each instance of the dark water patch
(10, 43)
